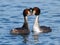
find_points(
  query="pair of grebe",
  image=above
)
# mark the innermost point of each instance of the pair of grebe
(24, 30)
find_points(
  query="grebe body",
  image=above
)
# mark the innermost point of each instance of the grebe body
(24, 30)
(36, 27)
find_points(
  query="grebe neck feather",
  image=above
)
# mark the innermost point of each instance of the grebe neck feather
(36, 27)
(25, 25)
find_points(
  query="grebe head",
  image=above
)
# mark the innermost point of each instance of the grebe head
(36, 11)
(27, 12)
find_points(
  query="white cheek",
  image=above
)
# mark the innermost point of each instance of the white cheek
(34, 12)
(29, 13)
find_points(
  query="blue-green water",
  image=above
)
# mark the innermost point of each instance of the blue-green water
(11, 17)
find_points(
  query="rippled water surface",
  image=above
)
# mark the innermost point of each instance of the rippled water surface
(11, 17)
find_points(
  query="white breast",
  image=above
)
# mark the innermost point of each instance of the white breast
(36, 30)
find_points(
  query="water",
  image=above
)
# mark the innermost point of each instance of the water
(11, 17)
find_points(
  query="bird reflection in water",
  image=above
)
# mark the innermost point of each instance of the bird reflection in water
(25, 38)
(36, 38)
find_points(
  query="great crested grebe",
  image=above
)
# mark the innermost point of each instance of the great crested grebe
(24, 30)
(37, 28)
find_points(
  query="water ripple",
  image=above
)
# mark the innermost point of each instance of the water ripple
(5, 5)
(31, 2)
(20, 6)
(11, 17)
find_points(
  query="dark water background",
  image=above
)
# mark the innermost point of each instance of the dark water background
(11, 16)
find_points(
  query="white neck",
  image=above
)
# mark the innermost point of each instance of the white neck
(36, 21)
(36, 27)
(26, 19)
(25, 25)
